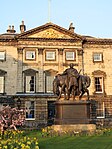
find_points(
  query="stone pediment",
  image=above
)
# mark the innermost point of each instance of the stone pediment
(50, 30)
(50, 33)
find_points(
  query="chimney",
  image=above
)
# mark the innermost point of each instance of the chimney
(22, 27)
(11, 30)
(71, 28)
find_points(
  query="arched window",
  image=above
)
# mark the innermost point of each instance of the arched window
(30, 81)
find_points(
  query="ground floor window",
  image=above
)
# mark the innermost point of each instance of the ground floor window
(1, 106)
(1, 84)
(30, 109)
(100, 110)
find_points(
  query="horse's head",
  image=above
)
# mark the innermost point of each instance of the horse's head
(86, 81)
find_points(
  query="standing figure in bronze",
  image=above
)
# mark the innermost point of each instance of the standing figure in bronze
(71, 82)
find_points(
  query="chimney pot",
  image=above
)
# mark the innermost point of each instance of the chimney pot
(22, 27)
(9, 30)
(22, 22)
(12, 27)
(9, 27)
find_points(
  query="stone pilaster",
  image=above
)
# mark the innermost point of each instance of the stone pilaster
(41, 71)
(19, 70)
(80, 61)
(60, 60)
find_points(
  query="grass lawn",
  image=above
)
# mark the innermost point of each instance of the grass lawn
(73, 142)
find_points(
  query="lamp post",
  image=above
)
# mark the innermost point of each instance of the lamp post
(19, 103)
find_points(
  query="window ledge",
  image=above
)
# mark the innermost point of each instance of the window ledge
(30, 119)
(98, 117)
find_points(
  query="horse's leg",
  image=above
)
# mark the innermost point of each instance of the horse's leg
(82, 93)
(74, 92)
(68, 94)
(87, 93)
(62, 89)
(73, 95)
(59, 96)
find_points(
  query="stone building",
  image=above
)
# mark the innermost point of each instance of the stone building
(29, 60)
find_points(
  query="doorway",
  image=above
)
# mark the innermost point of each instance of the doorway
(51, 112)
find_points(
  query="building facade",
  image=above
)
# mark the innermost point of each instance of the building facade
(30, 60)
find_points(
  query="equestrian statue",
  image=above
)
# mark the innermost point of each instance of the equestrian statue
(70, 82)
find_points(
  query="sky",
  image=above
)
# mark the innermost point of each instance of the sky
(90, 17)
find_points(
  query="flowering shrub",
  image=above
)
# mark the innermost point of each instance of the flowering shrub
(11, 118)
(48, 131)
(17, 140)
(10, 134)
(104, 131)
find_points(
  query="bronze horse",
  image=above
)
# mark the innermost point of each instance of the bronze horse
(60, 85)
(85, 83)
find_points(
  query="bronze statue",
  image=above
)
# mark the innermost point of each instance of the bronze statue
(60, 86)
(85, 82)
(71, 82)
(72, 74)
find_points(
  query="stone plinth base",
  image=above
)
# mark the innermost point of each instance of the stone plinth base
(72, 112)
(77, 128)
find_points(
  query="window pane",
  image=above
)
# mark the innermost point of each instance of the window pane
(2, 55)
(30, 109)
(30, 83)
(70, 56)
(30, 55)
(1, 84)
(49, 83)
(100, 111)
(97, 57)
(50, 55)
(98, 84)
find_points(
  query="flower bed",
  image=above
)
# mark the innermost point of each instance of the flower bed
(17, 140)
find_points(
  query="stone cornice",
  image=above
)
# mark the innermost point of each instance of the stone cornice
(47, 39)
(98, 41)
(99, 72)
(85, 41)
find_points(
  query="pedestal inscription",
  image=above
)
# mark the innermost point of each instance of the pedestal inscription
(72, 112)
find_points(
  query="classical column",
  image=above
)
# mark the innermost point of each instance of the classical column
(60, 60)
(19, 71)
(41, 71)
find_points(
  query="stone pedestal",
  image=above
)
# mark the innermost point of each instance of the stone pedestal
(72, 112)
